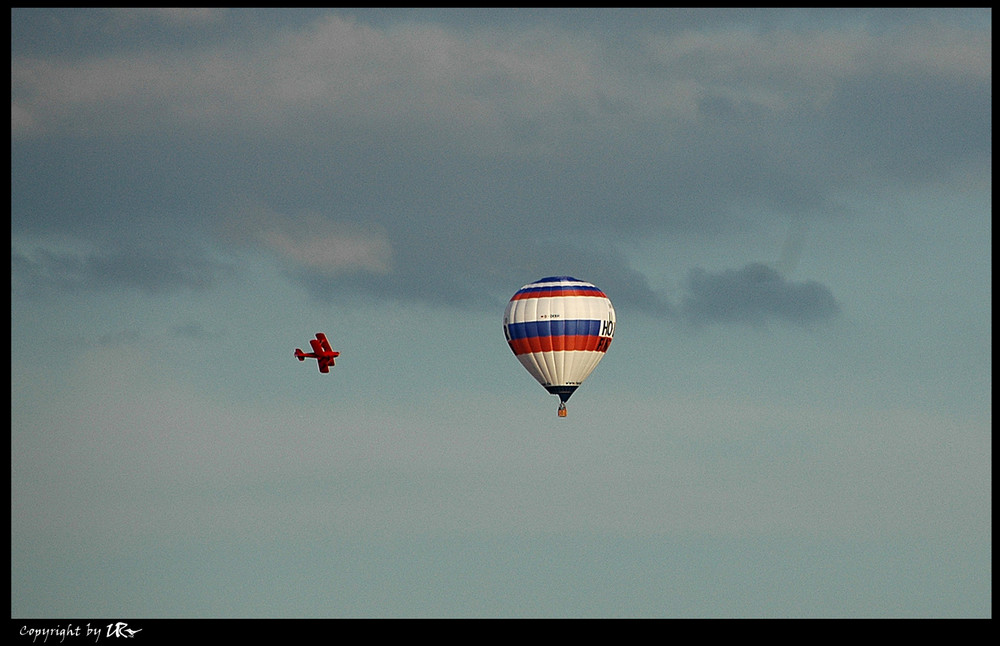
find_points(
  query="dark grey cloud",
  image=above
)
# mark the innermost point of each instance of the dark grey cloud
(755, 294)
(908, 126)
(151, 271)
(189, 330)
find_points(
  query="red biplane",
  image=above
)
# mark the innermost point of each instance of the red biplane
(322, 353)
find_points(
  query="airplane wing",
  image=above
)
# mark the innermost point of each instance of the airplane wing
(323, 342)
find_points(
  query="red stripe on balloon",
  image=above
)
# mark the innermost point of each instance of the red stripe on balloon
(564, 343)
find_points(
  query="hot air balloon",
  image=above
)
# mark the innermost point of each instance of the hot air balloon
(559, 329)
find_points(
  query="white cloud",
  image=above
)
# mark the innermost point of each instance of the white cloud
(316, 243)
(482, 83)
(331, 251)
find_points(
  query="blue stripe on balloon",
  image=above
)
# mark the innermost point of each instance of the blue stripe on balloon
(569, 327)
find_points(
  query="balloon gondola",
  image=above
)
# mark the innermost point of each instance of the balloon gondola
(559, 328)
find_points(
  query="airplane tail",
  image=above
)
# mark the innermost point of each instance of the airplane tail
(299, 355)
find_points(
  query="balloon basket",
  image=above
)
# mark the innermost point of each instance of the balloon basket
(562, 410)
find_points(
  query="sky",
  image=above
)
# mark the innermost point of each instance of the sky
(789, 209)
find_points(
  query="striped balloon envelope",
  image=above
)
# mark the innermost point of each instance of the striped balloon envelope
(559, 329)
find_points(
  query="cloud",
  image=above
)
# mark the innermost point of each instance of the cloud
(152, 271)
(755, 295)
(312, 242)
(451, 160)
(330, 251)
(177, 16)
(481, 83)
